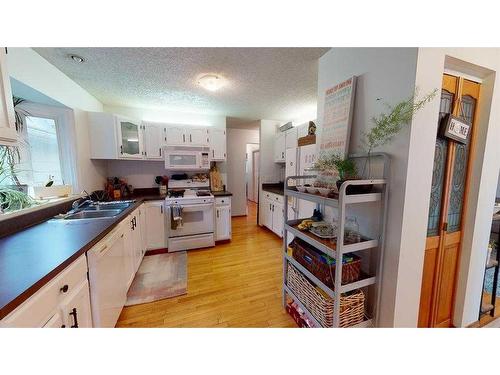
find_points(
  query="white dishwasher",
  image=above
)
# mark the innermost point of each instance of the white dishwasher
(108, 287)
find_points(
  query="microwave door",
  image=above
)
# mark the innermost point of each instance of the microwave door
(181, 161)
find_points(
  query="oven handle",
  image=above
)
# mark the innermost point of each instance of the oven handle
(190, 207)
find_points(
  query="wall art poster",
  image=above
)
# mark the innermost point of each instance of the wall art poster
(337, 118)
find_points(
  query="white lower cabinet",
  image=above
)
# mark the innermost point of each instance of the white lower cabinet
(48, 306)
(76, 312)
(156, 237)
(272, 212)
(223, 218)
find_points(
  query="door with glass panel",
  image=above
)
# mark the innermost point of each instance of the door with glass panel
(460, 98)
(130, 139)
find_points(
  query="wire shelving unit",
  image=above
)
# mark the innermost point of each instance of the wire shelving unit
(338, 248)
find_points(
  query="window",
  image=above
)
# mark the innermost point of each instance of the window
(44, 158)
(47, 146)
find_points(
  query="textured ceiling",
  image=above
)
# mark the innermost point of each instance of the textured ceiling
(263, 83)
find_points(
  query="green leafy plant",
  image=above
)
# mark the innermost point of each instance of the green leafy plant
(346, 168)
(388, 125)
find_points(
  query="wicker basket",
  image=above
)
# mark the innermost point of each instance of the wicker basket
(310, 258)
(352, 304)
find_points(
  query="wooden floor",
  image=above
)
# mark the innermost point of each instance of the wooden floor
(235, 284)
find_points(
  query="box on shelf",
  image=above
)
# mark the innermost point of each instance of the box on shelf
(306, 140)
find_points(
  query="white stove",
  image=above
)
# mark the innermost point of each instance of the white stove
(190, 215)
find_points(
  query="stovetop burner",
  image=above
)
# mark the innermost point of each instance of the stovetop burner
(175, 193)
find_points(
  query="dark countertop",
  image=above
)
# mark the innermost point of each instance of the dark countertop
(224, 193)
(275, 188)
(29, 259)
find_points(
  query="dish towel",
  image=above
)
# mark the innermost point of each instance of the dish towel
(176, 216)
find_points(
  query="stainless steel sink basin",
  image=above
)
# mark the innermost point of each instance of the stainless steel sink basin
(93, 214)
(108, 206)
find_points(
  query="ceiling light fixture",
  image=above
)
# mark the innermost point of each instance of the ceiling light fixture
(211, 82)
(76, 58)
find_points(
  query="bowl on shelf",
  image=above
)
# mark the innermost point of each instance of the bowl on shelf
(312, 190)
(324, 191)
(301, 188)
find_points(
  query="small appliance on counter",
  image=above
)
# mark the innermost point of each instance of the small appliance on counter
(162, 181)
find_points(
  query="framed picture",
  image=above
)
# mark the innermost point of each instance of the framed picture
(456, 129)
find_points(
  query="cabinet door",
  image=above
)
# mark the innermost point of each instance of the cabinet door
(129, 250)
(217, 144)
(176, 136)
(279, 147)
(153, 140)
(142, 221)
(278, 217)
(136, 232)
(198, 136)
(291, 162)
(155, 225)
(76, 308)
(130, 138)
(223, 223)
(269, 214)
(56, 321)
(291, 138)
(8, 134)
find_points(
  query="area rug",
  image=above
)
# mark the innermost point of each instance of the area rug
(159, 276)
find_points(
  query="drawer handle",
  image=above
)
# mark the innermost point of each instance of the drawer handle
(75, 318)
(64, 289)
(103, 248)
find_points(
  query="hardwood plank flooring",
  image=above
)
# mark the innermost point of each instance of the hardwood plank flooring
(234, 284)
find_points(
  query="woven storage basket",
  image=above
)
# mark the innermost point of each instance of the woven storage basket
(352, 305)
(307, 256)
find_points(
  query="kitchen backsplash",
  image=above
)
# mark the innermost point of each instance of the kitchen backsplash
(141, 174)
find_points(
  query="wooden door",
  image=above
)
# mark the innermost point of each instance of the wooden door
(448, 198)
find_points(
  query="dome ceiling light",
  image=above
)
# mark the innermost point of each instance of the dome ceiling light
(211, 82)
(76, 58)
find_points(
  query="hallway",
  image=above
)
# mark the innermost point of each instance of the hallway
(235, 284)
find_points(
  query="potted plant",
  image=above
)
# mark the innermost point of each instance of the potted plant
(388, 125)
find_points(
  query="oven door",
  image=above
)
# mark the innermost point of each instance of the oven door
(182, 160)
(196, 219)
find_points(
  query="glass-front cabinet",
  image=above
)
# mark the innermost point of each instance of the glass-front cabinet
(130, 138)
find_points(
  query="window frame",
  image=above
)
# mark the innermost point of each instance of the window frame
(66, 136)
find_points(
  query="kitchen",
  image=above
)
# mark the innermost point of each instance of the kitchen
(153, 188)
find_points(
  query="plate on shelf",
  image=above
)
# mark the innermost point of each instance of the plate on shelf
(325, 233)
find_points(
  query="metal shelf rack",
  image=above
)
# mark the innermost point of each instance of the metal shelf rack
(338, 248)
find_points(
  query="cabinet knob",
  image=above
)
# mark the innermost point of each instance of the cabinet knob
(64, 289)
(63, 326)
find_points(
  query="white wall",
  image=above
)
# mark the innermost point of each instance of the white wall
(389, 74)
(237, 140)
(29, 68)
(484, 63)
(251, 147)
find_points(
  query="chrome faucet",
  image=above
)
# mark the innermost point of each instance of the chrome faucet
(80, 202)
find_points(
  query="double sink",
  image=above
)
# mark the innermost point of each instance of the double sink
(98, 210)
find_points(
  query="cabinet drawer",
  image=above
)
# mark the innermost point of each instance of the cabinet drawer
(39, 308)
(222, 201)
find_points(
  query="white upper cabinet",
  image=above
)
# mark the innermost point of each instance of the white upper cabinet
(153, 140)
(130, 138)
(197, 136)
(279, 148)
(8, 134)
(176, 136)
(217, 139)
(291, 138)
(114, 137)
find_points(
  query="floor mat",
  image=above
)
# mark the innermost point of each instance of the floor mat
(159, 276)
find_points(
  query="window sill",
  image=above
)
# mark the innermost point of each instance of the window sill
(46, 203)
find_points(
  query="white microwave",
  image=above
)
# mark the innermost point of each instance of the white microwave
(183, 158)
